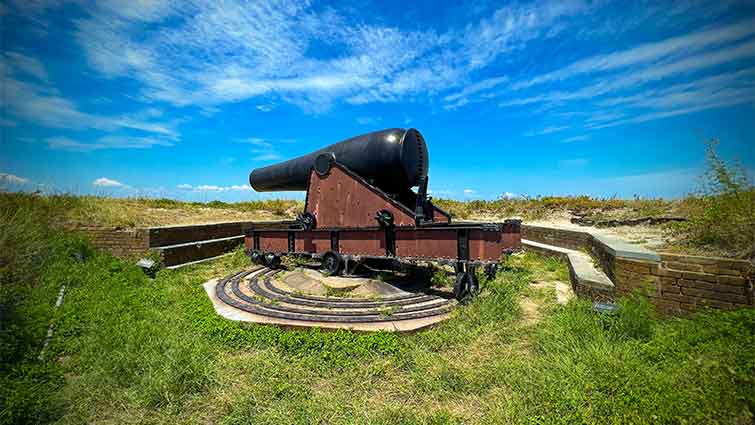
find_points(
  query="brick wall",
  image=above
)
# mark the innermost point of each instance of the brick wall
(119, 242)
(171, 235)
(558, 237)
(683, 283)
(676, 284)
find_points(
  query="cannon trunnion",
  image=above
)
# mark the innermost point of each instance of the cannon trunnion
(360, 207)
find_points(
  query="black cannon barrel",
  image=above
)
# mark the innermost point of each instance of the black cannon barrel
(394, 160)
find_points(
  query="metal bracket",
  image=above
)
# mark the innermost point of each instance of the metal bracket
(256, 239)
(419, 207)
(334, 241)
(462, 243)
(390, 242)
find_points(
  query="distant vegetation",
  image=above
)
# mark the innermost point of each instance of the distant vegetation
(541, 207)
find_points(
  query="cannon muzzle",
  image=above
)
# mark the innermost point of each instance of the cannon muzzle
(394, 160)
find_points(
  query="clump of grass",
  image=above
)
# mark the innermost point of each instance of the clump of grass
(722, 215)
(634, 368)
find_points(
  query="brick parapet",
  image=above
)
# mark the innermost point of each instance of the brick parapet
(119, 242)
(676, 284)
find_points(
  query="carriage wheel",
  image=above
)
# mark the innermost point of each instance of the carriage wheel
(257, 257)
(331, 263)
(466, 286)
(272, 261)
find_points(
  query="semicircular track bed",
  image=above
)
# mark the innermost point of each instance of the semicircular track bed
(255, 296)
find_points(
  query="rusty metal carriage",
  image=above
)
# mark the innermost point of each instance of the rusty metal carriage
(360, 207)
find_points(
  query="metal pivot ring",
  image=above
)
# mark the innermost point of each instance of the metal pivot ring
(384, 218)
(307, 220)
(324, 162)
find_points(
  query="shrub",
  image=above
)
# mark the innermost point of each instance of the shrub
(722, 215)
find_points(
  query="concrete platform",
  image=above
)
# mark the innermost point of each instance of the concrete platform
(296, 300)
(585, 275)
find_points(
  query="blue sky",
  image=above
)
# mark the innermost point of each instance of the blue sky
(183, 99)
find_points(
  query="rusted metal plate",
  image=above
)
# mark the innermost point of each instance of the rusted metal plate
(440, 217)
(312, 242)
(274, 241)
(484, 245)
(428, 243)
(511, 240)
(248, 243)
(362, 242)
(340, 200)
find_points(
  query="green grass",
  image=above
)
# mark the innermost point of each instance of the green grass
(128, 349)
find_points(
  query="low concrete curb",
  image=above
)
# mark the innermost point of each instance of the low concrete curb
(586, 279)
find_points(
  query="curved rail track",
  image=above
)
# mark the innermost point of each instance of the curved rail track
(255, 291)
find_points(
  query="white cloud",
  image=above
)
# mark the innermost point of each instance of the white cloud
(471, 89)
(106, 182)
(637, 78)
(214, 188)
(469, 191)
(42, 106)
(646, 53)
(12, 179)
(27, 65)
(509, 195)
(105, 142)
(576, 138)
(546, 130)
(213, 53)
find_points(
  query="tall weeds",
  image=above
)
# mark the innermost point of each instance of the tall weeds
(722, 216)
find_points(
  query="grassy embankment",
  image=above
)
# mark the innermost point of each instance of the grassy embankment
(128, 349)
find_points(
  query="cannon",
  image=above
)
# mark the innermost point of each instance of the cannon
(361, 206)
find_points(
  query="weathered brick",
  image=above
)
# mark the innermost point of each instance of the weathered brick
(697, 284)
(636, 266)
(732, 289)
(679, 297)
(727, 272)
(683, 266)
(662, 271)
(731, 280)
(700, 276)
(715, 296)
(716, 304)
(692, 259)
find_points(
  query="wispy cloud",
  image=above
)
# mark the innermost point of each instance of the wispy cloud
(105, 142)
(547, 130)
(7, 179)
(265, 149)
(215, 53)
(41, 104)
(27, 65)
(576, 138)
(646, 53)
(214, 188)
(106, 182)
